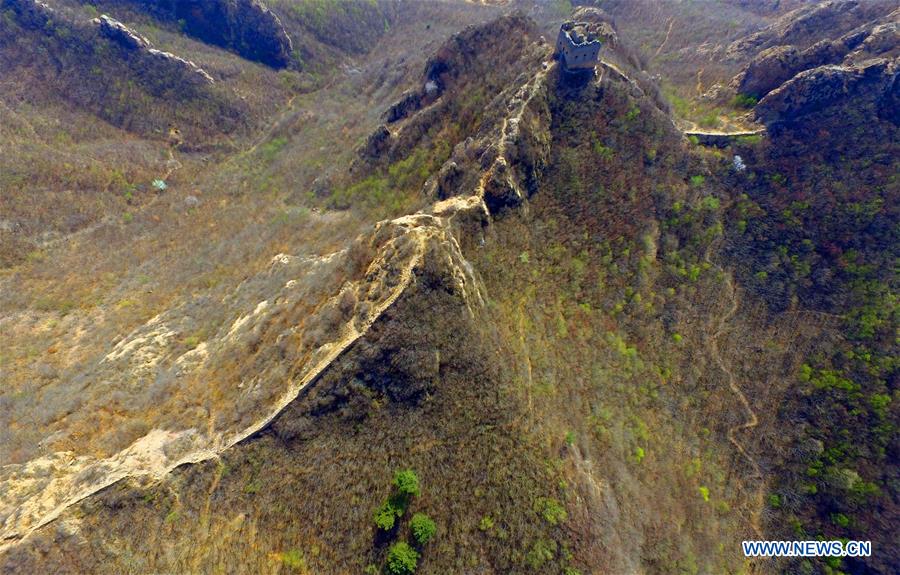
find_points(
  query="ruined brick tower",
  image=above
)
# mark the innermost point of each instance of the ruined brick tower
(577, 47)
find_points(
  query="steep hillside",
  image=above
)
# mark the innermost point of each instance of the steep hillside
(43, 48)
(450, 309)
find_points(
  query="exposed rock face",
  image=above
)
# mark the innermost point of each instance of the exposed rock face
(602, 23)
(771, 68)
(107, 68)
(774, 66)
(378, 142)
(873, 81)
(115, 30)
(246, 27)
(409, 102)
(151, 64)
(153, 61)
(803, 26)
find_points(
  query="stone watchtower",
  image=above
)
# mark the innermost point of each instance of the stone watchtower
(577, 46)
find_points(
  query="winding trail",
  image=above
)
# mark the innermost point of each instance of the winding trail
(666, 41)
(751, 420)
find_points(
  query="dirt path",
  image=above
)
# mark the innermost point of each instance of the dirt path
(666, 41)
(751, 420)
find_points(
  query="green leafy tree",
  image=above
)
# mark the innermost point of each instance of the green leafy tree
(401, 559)
(407, 483)
(386, 515)
(423, 528)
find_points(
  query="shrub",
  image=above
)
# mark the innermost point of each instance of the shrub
(639, 454)
(293, 559)
(551, 510)
(744, 101)
(710, 120)
(541, 552)
(407, 482)
(423, 528)
(486, 523)
(270, 149)
(406, 485)
(386, 515)
(840, 519)
(401, 559)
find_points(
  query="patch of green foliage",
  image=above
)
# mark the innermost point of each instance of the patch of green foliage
(541, 552)
(407, 483)
(402, 559)
(391, 191)
(294, 559)
(744, 101)
(270, 149)
(423, 528)
(406, 486)
(550, 510)
(704, 492)
(386, 515)
(709, 120)
(749, 140)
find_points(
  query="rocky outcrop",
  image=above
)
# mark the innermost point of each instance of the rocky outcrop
(771, 68)
(459, 58)
(246, 27)
(873, 81)
(149, 60)
(377, 142)
(108, 69)
(154, 66)
(411, 101)
(602, 25)
(804, 26)
(774, 66)
(884, 37)
(120, 33)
